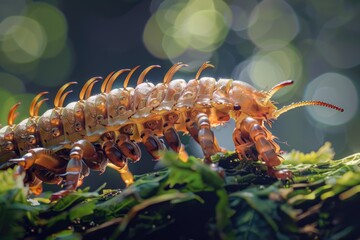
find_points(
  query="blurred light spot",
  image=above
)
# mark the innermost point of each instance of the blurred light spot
(268, 68)
(23, 39)
(336, 89)
(194, 25)
(154, 5)
(273, 24)
(54, 24)
(241, 72)
(34, 45)
(241, 11)
(7, 101)
(11, 7)
(54, 71)
(339, 46)
(23, 110)
(193, 58)
(314, 63)
(153, 37)
(16, 85)
(332, 13)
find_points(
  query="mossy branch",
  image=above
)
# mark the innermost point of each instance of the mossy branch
(192, 200)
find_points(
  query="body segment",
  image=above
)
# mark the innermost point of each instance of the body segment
(104, 129)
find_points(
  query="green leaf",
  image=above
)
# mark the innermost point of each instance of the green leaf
(65, 235)
(81, 210)
(196, 175)
(324, 154)
(71, 199)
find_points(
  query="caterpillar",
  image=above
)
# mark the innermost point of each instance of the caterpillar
(64, 143)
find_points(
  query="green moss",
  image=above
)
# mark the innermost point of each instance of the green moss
(192, 200)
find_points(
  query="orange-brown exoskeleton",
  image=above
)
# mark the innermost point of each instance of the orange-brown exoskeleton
(101, 130)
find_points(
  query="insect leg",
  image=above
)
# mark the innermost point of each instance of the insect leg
(83, 155)
(72, 176)
(124, 172)
(267, 150)
(152, 143)
(172, 138)
(255, 132)
(193, 129)
(244, 147)
(118, 161)
(126, 146)
(41, 159)
(35, 184)
(170, 134)
(205, 137)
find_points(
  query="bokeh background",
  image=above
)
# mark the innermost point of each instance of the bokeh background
(44, 44)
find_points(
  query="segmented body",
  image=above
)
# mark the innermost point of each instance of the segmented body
(104, 129)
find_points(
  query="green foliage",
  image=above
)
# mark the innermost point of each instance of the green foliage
(237, 200)
(15, 211)
(324, 154)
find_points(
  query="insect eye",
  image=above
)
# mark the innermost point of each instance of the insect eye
(237, 107)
